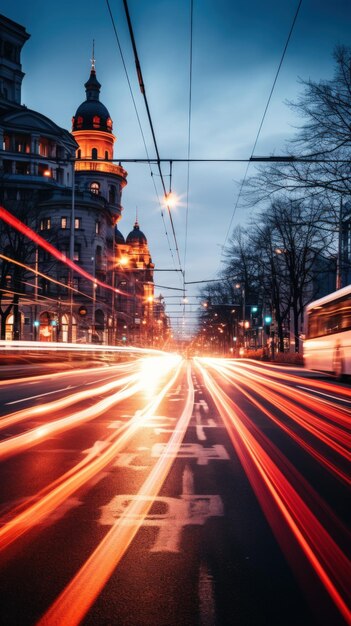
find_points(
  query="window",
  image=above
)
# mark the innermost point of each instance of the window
(109, 123)
(79, 154)
(45, 223)
(106, 155)
(330, 318)
(98, 257)
(76, 253)
(79, 121)
(64, 222)
(64, 251)
(94, 153)
(95, 188)
(43, 148)
(96, 121)
(77, 223)
(112, 194)
(97, 227)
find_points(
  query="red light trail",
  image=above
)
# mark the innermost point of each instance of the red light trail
(276, 482)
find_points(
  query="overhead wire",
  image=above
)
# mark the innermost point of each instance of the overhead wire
(189, 140)
(143, 91)
(262, 122)
(189, 130)
(140, 126)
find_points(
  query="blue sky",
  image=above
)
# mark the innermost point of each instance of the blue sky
(237, 45)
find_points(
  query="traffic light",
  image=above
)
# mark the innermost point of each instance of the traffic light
(267, 324)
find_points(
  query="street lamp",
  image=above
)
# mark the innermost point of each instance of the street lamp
(71, 254)
(242, 287)
(94, 303)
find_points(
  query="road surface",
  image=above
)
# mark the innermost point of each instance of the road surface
(163, 491)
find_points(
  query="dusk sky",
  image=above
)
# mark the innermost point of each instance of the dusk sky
(237, 46)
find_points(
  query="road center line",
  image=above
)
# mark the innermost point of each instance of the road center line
(40, 395)
(328, 395)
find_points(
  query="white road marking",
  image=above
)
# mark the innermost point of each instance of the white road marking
(204, 405)
(40, 395)
(126, 459)
(199, 427)
(97, 448)
(192, 451)
(207, 603)
(321, 393)
(188, 510)
(100, 380)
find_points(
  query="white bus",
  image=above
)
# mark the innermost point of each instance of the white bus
(327, 345)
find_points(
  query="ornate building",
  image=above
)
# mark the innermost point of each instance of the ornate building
(67, 187)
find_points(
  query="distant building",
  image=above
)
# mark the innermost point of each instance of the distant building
(67, 187)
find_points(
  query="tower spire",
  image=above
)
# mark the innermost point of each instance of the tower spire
(93, 57)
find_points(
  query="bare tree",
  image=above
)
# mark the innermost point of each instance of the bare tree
(323, 139)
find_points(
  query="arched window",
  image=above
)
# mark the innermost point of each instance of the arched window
(106, 155)
(96, 121)
(109, 123)
(94, 153)
(79, 154)
(79, 121)
(112, 194)
(95, 188)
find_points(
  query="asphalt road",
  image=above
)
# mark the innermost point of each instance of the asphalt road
(159, 492)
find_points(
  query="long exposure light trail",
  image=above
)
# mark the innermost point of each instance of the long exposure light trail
(278, 497)
(328, 432)
(91, 578)
(133, 385)
(321, 458)
(49, 407)
(18, 443)
(52, 496)
(275, 372)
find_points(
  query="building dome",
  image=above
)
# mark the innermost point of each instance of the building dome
(119, 239)
(92, 114)
(136, 236)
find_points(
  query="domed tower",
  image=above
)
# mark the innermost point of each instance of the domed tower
(139, 253)
(97, 210)
(92, 129)
(136, 278)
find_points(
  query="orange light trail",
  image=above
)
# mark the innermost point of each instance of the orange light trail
(329, 465)
(337, 438)
(275, 372)
(273, 488)
(133, 384)
(91, 578)
(52, 496)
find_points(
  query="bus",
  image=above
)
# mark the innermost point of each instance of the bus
(327, 345)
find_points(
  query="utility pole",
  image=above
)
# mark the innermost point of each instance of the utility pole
(71, 255)
(339, 257)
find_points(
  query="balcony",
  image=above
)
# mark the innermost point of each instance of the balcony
(101, 166)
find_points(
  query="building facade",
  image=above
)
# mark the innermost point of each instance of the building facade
(67, 187)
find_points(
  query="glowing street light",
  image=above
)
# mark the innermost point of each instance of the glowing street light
(124, 260)
(170, 200)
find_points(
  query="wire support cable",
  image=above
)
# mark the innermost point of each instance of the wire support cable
(149, 161)
(261, 123)
(143, 91)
